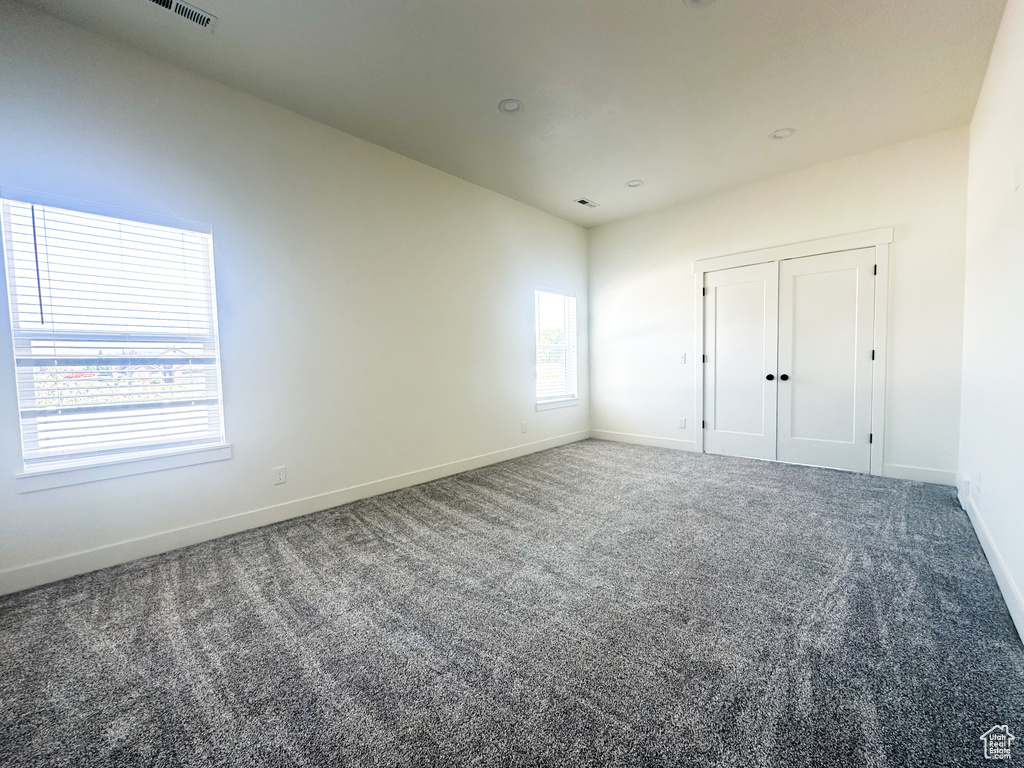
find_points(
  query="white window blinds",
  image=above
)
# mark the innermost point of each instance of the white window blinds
(114, 325)
(556, 346)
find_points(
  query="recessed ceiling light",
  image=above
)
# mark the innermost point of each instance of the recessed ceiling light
(698, 3)
(782, 133)
(635, 183)
(508, 106)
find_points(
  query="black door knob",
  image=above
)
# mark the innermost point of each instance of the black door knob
(770, 377)
(784, 377)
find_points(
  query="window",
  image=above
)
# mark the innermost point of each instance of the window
(556, 349)
(114, 324)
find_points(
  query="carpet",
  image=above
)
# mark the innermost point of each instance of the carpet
(594, 604)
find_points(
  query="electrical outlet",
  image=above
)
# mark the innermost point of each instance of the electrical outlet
(522, 427)
(682, 423)
(280, 475)
(682, 359)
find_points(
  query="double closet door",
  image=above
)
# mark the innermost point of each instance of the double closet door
(788, 363)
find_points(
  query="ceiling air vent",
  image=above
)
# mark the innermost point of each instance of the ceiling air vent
(588, 203)
(196, 16)
(188, 12)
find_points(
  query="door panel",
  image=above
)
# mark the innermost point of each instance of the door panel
(826, 317)
(740, 327)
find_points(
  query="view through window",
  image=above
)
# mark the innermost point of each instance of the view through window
(114, 326)
(556, 346)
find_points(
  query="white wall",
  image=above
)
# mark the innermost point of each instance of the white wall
(992, 426)
(376, 315)
(643, 306)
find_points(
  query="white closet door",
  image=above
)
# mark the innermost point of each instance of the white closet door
(740, 325)
(825, 336)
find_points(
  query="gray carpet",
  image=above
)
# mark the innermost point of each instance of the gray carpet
(596, 604)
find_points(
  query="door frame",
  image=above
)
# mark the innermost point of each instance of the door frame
(880, 240)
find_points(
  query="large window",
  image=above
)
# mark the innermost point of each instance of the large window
(556, 349)
(114, 325)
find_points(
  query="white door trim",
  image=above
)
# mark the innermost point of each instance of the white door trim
(878, 372)
(851, 242)
(879, 239)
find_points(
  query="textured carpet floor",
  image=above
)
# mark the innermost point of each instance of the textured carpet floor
(596, 604)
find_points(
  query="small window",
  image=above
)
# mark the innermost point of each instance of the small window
(114, 323)
(556, 347)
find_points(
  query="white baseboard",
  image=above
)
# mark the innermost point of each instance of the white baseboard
(55, 569)
(1012, 594)
(657, 442)
(921, 474)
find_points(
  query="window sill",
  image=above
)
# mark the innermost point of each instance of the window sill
(568, 402)
(58, 477)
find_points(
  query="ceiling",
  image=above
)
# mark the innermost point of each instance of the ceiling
(681, 97)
